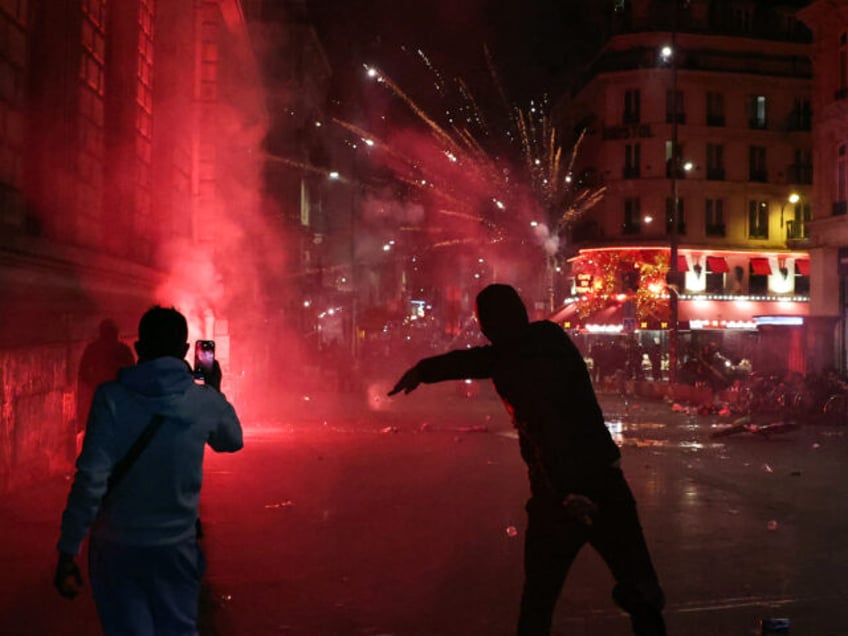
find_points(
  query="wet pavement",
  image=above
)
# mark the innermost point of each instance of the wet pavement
(407, 519)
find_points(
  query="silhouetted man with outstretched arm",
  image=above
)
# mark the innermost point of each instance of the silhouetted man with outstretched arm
(578, 491)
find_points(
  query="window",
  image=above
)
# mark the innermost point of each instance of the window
(674, 106)
(13, 61)
(714, 274)
(673, 155)
(715, 162)
(144, 112)
(757, 112)
(801, 170)
(669, 216)
(757, 219)
(632, 161)
(802, 279)
(757, 168)
(714, 283)
(839, 204)
(632, 216)
(742, 19)
(757, 283)
(632, 107)
(90, 125)
(799, 216)
(842, 88)
(715, 109)
(714, 217)
(801, 117)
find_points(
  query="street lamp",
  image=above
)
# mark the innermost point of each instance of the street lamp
(793, 199)
(674, 277)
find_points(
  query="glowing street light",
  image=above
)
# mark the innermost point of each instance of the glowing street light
(792, 199)
(334, 175)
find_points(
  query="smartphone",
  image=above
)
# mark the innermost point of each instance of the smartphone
(204, 358)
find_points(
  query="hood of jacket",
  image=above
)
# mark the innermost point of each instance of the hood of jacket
(157, 378)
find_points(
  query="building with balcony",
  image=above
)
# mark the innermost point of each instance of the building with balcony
(699, 125)
(828, 231)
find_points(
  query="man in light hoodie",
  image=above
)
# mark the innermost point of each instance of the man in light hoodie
(144, 562)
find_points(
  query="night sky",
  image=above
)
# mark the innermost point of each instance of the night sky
(533, 44)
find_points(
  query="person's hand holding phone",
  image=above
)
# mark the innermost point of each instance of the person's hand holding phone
(206, 367)
(213, 376)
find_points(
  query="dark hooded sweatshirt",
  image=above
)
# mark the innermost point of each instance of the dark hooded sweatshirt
(544, 383)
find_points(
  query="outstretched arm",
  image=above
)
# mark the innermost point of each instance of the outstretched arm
(454, 365)
(408, 382)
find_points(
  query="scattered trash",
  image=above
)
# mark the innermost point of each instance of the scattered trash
(473, 429)
(389, 429)
(306, 398)
(511, 531)
(677, 408)
(733, 511)
(424, 427)
(772, 525)
(816, 445)
(282, 504)
(724, 412)
(771, 626)
(767, 468)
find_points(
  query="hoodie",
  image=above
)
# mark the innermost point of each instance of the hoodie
(156, 503)
(544, 384)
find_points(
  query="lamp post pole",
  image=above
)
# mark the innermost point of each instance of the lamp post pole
(673, 270)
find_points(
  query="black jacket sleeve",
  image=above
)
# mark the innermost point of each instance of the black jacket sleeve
(460, 364)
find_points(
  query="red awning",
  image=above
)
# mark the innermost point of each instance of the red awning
(682, 265)
(802, 265)
(717, 264)
(760, 267)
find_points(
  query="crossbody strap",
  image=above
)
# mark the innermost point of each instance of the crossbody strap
(127, 461)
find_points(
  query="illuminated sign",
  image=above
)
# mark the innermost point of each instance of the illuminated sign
(747, 325)
(791, 321)
(583, 283)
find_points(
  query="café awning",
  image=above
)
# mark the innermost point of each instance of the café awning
(717, 264)
(760, 267)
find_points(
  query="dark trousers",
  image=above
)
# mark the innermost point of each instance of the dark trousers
(142, 591)
(553, 541)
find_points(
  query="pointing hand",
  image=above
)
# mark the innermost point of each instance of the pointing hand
(408, 382)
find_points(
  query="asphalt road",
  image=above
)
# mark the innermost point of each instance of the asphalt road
(407, 519)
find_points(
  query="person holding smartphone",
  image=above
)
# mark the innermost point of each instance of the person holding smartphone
(137, 485)
(578, 491)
